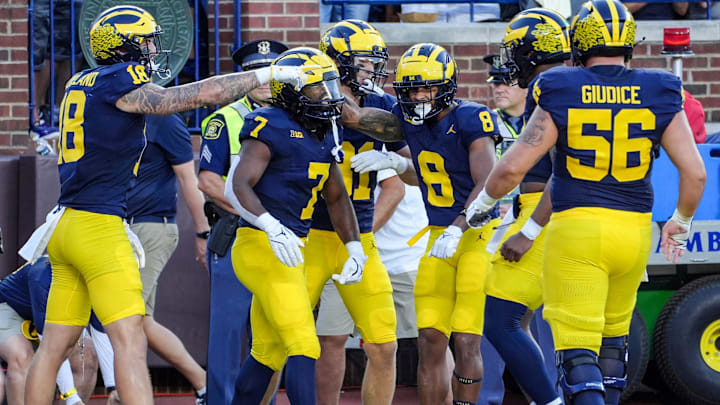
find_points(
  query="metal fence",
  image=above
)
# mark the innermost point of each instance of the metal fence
(194, 69)
(197, 67)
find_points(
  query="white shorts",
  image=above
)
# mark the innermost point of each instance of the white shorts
(334, 319)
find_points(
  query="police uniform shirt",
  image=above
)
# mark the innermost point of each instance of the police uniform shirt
(215, 149)
(439, 151)
(609, 118)
(100, 145)
(298, 169)
(360, 186)
(155, 190)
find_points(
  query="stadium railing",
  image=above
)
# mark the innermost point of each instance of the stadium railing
(472, 2)
(193, 66)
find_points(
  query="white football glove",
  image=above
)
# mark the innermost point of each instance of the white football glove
(477, 213)
(293, 75)
(375, 160)
(352, 271)
(446, 244)
(369, 87)
(285, 244)
(137, 246)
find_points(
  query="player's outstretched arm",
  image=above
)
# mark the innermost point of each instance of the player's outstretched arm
(534, 142)
(223, 89)
(537, 138)
(375, 122)
(678, 142)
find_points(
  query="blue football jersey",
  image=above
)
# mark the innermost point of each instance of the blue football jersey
(440, 155)
(155, 189)
(609, 119)
(100, 145)
(541, 172)
(298, 169)
(360, 186)
(26, 290)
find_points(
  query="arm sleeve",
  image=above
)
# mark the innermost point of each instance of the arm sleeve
(215, 148)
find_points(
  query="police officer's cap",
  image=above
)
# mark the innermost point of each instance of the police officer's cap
(497, 73)
(257, 54)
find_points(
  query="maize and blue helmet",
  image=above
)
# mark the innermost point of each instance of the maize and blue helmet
(425, 65)
(602, 28)
(120, 34)
(320, 100)
(349, 41)
(536, 36)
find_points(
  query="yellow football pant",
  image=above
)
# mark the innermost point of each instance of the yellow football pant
(370, 301)
(450, 293)
(92, 265)
(280, 313)
(594, 263)
(520, 281)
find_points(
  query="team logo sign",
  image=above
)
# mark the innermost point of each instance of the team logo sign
(173, 16)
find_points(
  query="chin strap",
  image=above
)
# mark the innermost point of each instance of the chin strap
(337, 149)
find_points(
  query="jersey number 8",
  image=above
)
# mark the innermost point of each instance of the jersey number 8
(72, 135)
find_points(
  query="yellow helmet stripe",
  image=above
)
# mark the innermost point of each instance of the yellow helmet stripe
(626, 27)
(603, 29)
(516, 34)
(563, 38)
(615, 21)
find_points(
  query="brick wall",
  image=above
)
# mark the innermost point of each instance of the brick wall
(296, 22)
(14, 94)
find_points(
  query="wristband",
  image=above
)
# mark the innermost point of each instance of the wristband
(263, 75)
(203, 235)
(66, 395)
(531, 229)
(682, 219)
(355, 248)
(485, 198)
(265, 221)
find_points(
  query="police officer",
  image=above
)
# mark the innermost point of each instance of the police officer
(228, 343)
(509, 100)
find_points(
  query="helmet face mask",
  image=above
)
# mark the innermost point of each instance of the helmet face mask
(416, 109)
(426, 66)
(129, 34)
(319, 103)
(355, 46)
(534, 37)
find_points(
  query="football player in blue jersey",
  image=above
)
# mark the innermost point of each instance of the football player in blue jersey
(229, 321)
(452, 143)
(536, 40)
(289, 157)
(23, 302)
(604, 120)
(360, 54)
(101, 141)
